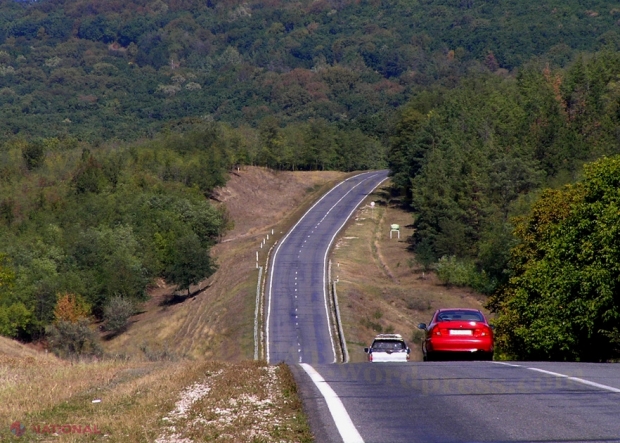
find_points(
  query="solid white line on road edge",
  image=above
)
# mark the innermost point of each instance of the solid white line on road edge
(557, 374)
(345, 426)
(578, 380)
(267, 344)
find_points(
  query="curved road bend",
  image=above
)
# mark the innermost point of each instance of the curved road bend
(297, 326)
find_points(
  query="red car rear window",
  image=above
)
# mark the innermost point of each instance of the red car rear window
(459, 315)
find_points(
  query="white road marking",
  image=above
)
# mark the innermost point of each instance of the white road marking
(568, 377)
(329, 245)
(344, 424)
(506, 364)
(577, 379)
(273, 260)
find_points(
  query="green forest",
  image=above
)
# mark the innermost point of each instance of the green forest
(102, 70)
(479, 165)
(499, 122)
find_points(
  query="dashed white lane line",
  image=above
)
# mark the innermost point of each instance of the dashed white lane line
(345, 426)
(366, 176)
(568, 377)
(506, 364)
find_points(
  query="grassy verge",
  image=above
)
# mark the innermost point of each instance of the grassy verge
(46, 398)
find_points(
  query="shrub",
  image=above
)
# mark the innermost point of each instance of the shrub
(158, 353)
(70, 307)
(73, 339)
(117, 312)
(417, 336)
(453, 271)
(417, 304)
(13, 319)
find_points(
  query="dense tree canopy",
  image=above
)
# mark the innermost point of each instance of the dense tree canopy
(470, 158)
(103, 223)
(563, 299)
(95, 69)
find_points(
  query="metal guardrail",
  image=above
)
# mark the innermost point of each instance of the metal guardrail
(257, 311)
(339, 329)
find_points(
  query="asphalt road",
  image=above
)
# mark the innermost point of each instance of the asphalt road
(428, 402)
(297, 315)
(464, 401)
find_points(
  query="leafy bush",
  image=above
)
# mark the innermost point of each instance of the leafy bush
(117, 312)
(562, 301)
(462, 272)
(71, 308)
(13, 319)
(73, 340)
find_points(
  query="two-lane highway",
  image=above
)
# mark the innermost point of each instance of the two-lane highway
(469, 401)
(417, 402)
(297, 326)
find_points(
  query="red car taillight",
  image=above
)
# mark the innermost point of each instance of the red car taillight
(439, 331)
(483, 331)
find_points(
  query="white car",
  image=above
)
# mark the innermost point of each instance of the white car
(388, 348)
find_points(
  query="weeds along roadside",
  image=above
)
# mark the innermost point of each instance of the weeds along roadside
(148, 401)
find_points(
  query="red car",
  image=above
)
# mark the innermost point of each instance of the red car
(458, 332)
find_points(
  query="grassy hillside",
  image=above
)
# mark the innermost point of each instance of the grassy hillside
(217, 322)
(167, 377)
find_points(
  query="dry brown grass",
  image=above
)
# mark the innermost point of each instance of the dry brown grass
(255, 402)
(380, 287)
(138, 399)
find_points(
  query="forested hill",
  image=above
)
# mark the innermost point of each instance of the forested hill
(121, 69)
